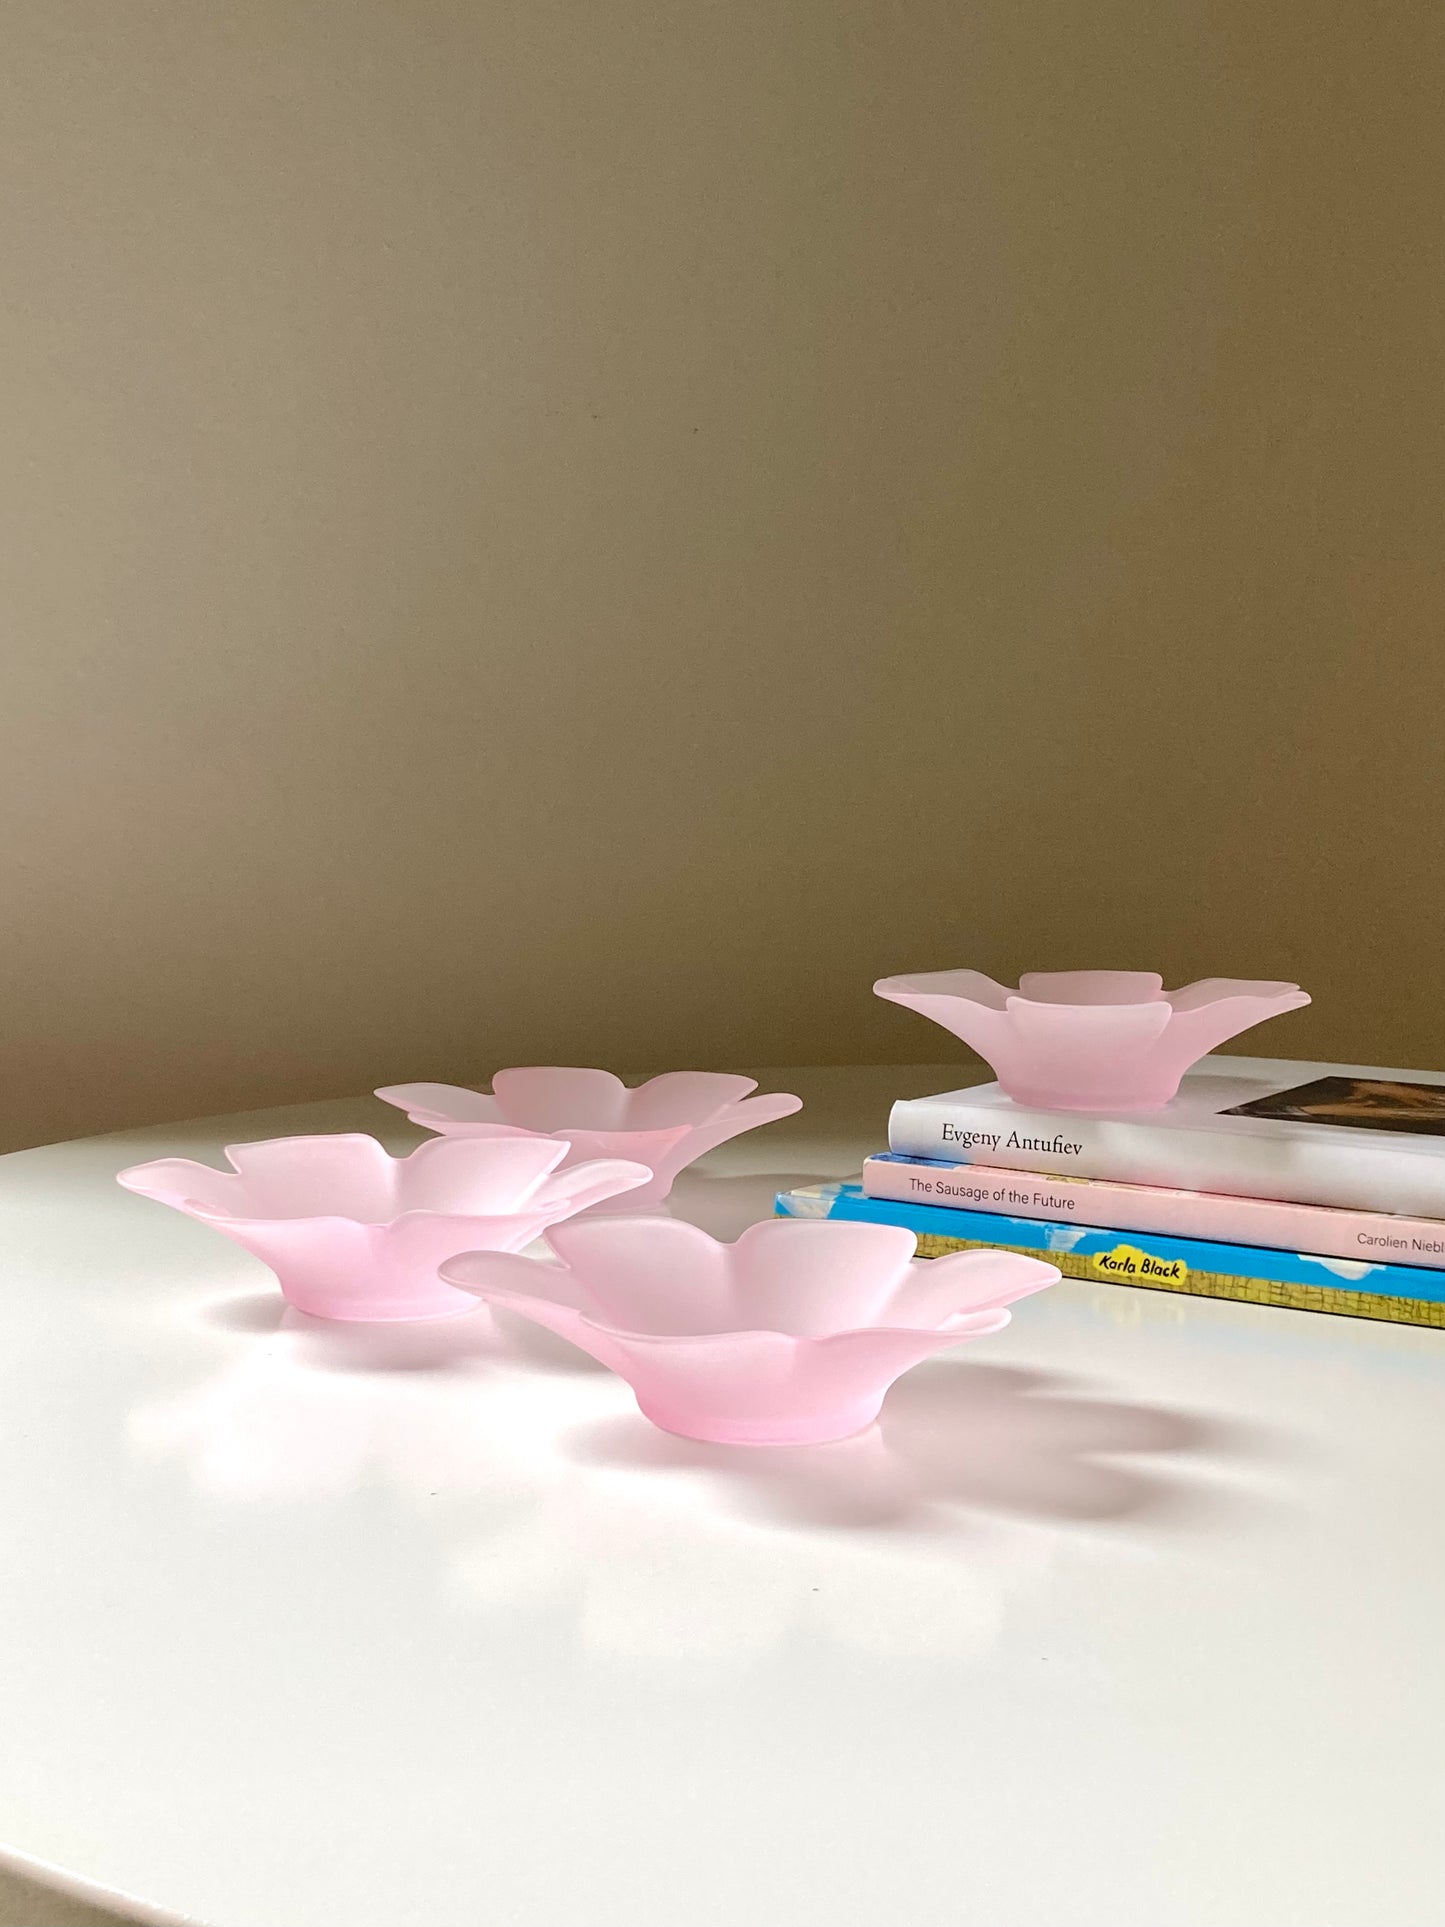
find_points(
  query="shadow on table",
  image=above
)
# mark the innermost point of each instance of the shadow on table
(253, 1314)
(952, 1438)
(325, 1344)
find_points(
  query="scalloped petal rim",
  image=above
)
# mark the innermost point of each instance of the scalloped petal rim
(352, 1232)
(667, 1123)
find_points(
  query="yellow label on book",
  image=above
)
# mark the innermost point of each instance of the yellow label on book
(1128, 1262)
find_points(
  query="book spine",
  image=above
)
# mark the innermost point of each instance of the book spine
(1373, 1291)
(1133, 1151)
(1306, 1228)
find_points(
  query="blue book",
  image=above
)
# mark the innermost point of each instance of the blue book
(1403, 1294)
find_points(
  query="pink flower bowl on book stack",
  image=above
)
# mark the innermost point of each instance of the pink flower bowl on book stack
(1090, 1040)
(666, 1123)
(1119, 1141)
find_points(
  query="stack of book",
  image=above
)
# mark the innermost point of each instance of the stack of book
(1315, 1186)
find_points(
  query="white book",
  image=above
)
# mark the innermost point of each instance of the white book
(1256, 1127)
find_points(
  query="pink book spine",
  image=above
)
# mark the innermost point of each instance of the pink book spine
(1321, 1231)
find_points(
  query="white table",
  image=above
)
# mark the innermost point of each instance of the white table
(1130, 1618)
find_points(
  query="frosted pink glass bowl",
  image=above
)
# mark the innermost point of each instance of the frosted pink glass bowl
(666, 1124)
(1090, 1040)
(791, 1336)
(354, 1233)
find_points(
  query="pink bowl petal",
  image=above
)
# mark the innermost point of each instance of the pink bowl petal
(553, 1314)
(447, 1174)
(1085, 987)
(671, 1278)
(785, 1279)
(441, 1106)
(1052, 1049)
(766, 1108)
(966, 1281)
(344, 1174)
(837, 1372)
(657, 1151)
(685, 1097)
(182, 1183)
(1207, 991)
(970, 1005)
(582, 1187)
(1199, 1025)
(550, 1097)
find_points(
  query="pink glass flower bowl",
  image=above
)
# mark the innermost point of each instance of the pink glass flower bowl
(666, 1124)
(1090, 1040)
(354, 1233)
(790, 1336)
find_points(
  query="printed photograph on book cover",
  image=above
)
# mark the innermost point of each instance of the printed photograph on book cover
(1361, 1103)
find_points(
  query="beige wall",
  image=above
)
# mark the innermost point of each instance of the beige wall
(586, 532)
